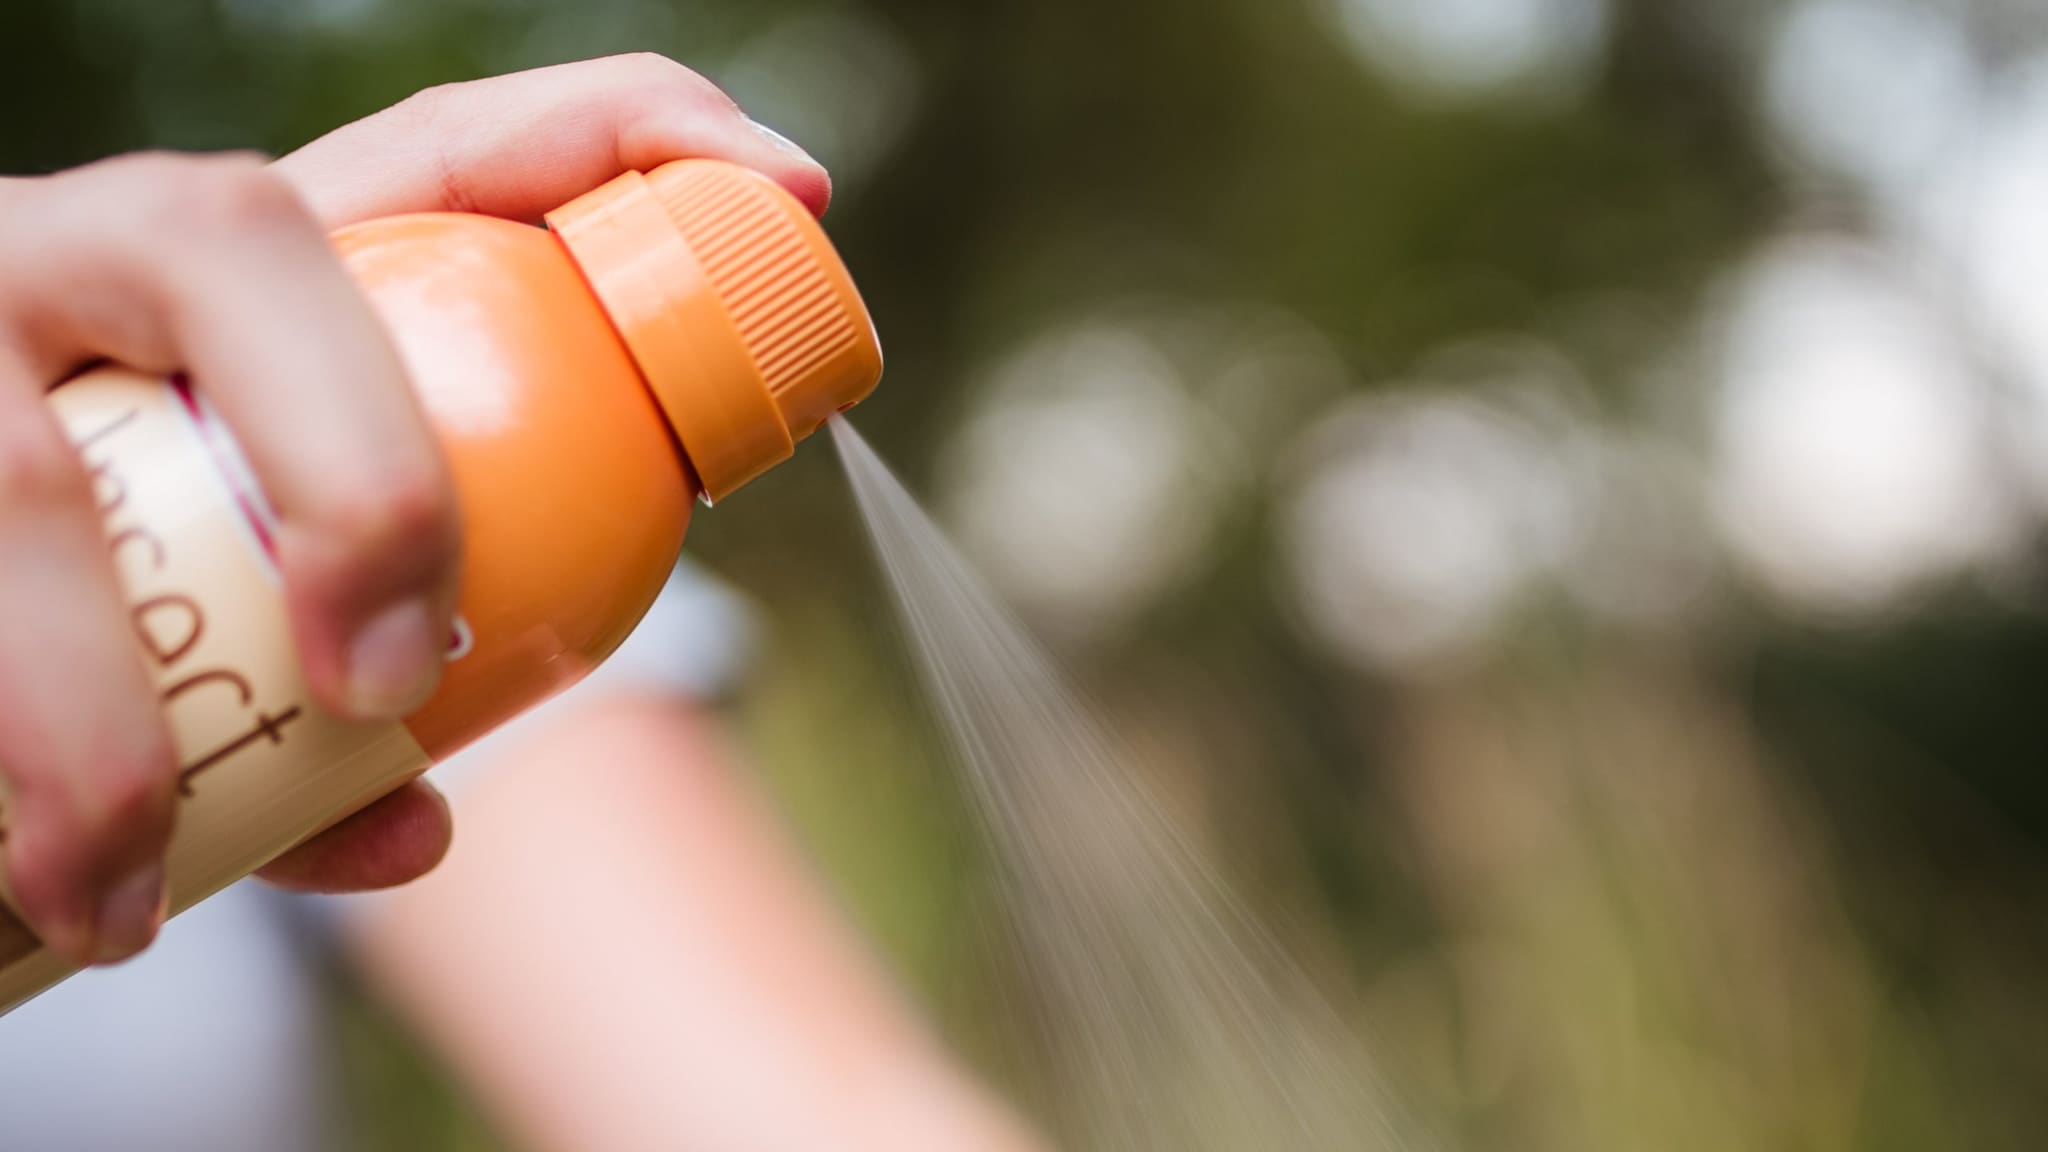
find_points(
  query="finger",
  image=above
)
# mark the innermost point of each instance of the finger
(522, 145)
(398, 839)
(82, 745)
(222, 273)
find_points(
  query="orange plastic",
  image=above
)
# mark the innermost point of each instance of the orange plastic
(698, 306)
(677, 335)
(740, 315)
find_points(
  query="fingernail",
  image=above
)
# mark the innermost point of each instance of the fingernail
(395, 662)
(781, 142)
(130, 913)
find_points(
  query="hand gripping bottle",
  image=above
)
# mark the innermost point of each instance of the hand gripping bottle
(672, 336)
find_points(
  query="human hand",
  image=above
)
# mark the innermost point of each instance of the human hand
(218, 266)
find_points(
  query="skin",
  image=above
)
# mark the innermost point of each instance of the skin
(159, 262)
(727, 1005)
(623, 896)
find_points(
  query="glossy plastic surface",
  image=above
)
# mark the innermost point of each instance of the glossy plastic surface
(732, 301)
(574, 495)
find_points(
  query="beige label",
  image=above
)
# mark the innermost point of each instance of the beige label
(261, 767)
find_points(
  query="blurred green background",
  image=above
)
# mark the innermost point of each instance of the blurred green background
(1567, 475)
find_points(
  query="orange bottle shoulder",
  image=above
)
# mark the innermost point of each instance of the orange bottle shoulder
(574, 495)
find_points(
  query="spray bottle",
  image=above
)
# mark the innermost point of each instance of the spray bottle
(671, 336)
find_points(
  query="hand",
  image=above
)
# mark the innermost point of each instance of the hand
(517, 147)
(160, 262)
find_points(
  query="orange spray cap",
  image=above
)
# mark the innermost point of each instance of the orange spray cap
(734, 305)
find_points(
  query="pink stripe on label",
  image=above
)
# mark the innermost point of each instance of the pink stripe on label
(231, 470)
(234, 471)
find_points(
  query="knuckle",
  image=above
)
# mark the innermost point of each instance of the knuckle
(131, 796)
(24, 196)
(427, 105)
(240, 193)
(119, 795)
(146, 169)
(38, 467)
(400, 514)
(656, 76)
(651, 65)
(184, 195)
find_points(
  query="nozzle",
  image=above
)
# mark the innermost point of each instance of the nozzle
(734, 305)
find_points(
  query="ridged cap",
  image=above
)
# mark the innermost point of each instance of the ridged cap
(733, 303)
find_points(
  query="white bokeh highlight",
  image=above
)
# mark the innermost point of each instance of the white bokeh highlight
(1417, 518)
(1850, 461)
(1086, 481)
(2001, 210)
(837, 81)
(1453, 51)
(1873, 90)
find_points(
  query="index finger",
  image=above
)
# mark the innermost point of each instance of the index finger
(521, 145)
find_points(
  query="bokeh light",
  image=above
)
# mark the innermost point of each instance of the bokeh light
(1087, 480)
(839, 80)
(1559, 487)
(1874, 90)
(1456, 50)
(1419, 518)
(1850, 463)
(2004, 255)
